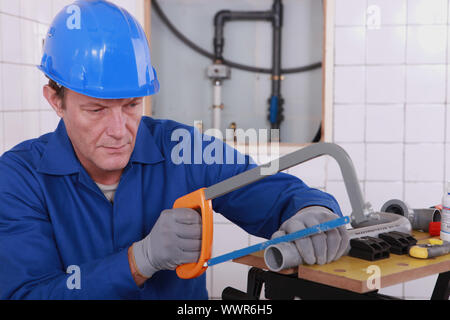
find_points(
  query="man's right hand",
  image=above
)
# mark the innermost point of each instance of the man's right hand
(174, 240)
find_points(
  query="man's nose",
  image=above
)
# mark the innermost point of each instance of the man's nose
(116, 123)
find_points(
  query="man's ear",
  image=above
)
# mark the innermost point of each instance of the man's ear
(53, 99)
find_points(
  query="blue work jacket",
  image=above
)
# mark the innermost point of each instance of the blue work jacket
(53, 216)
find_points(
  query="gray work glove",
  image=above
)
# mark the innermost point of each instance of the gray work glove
(174, 240)
(321, 248)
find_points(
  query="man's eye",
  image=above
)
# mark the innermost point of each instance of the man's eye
(135, 103)
(96, 110)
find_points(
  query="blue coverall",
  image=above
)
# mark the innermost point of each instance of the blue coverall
(53, 215)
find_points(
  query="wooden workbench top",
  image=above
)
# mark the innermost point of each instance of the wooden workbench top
(352, 273)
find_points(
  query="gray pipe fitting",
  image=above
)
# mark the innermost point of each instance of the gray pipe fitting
(423, 217)
(419, 218)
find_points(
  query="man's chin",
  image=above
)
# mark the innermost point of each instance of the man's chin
(114, 163)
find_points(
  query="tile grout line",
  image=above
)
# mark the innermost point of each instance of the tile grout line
(2, 133)
(446, 124)
(18, 63)
(365, 105)
(405, 95)
(333, 137)
(379, 64)
(24, 18)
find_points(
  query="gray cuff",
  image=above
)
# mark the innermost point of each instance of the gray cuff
(141, 259)
(315, 209)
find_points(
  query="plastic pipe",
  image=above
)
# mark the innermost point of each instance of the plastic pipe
(282, 256)
(217, 104)
(422, 218)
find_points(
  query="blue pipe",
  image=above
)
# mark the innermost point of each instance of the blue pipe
(274, 109)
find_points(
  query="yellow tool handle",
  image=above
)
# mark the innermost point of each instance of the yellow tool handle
(430, 250)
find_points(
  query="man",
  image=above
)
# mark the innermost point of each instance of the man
(85, 211)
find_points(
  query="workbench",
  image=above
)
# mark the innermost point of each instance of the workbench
(346, 278)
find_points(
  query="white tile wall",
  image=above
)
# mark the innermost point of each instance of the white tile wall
(447, 162)
(8, 6)
(384, 162)
(48, 121)
(424, 162)
(43, 103)
(311, 172)
(425, 123)
(12, 86)
(351, 119)
(2, 140)
(400, 89)
(423, 194)
(37, 10)
(427, 44)
(427, 11)
(425, 83)
(392, 12)
(447, 124)
(337, 189)
(349, 84)
(11, 47)
(379, 192)
(356, 152)
(1, 91)
(350, 12)
(30, 91)
(385, 84)
(350, 45)
(58, 5)
(384, 123)
(32, 37)
(334, 182)
(20, 126)
(386, 45)
(420, 288)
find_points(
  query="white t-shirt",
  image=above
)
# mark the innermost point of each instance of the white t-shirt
(108, 190)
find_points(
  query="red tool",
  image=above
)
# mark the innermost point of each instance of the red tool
(434, 228)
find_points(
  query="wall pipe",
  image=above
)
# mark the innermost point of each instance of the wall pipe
(275, 16)
(236, 65)
(231, 64)
(217, 104)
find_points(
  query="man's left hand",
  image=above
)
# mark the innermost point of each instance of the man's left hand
(319, 248)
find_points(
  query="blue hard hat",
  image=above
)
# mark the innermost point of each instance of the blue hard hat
(98, 49)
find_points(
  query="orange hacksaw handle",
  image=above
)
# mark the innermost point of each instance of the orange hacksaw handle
(196, 200)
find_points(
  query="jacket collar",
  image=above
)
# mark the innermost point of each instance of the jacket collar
(59, 157)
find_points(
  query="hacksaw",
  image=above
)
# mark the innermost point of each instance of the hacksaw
(201, 200)
(318, 228)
